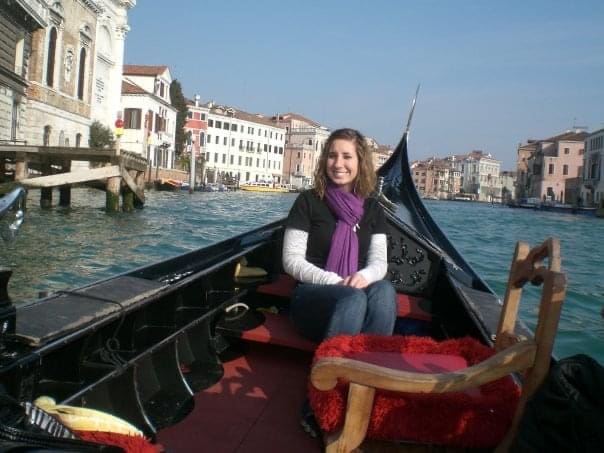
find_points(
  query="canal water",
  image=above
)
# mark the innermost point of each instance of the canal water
(66, 247)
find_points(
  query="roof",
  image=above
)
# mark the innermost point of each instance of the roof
(295, 116)
(135, 69)
(232, 112)
(568, 136)
(131, 88)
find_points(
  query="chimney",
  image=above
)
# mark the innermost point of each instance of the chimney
(196, 100)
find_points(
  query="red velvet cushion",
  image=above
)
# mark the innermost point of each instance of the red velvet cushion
(130, 444)
(408, 306)
(476, 418)
(278, 329)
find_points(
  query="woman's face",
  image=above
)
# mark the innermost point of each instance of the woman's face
(343, 164)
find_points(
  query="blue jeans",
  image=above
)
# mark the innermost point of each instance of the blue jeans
(323, 311)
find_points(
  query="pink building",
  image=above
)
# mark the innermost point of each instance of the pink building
(555, 169)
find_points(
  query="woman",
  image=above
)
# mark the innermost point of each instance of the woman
(335, 246)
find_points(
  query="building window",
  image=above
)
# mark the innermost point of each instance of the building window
(224, 158)
(132, 118)
(50, 64)
(550, 169)
(566, 150)
(82, 74)
(201, 139)
(46, 137)
(234, 127)
(239, 160)
(232, 159)
(78, 142)
(14, 123)
(226, 126)
(217, 140)
(211, 123)
(224, 141)
(215, 157)
(190, 114)
(209, 139)
(218, 124)
(565, 169)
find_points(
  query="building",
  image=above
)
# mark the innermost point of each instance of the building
(304, 140)
(111, 30)
(148, 115)
(242, 147)
(65, 56)
(592, 191)
(18, 21)
(524, 153)
(60, 75)
(480, 176)
(508, 186)
(434, 178)
(196, 126)
(555, 169)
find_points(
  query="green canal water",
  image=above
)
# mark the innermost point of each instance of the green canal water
(63, 248)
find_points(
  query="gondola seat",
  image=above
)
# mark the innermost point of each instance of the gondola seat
(409, 306)
(457, 392)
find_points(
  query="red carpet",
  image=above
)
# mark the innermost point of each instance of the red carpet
(476, 418)
(254, 408)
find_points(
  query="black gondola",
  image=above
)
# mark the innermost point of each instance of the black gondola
(165, 345)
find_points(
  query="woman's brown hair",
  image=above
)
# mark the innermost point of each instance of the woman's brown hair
(364, 183)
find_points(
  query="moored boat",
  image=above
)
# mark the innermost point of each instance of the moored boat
(264, 187)
(197, 350)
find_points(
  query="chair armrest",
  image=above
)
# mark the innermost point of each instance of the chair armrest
(327, 371)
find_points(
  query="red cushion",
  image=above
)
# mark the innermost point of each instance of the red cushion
(283, 286)
(476, 418)
(412, 307)
(278, 329)
(408, 306)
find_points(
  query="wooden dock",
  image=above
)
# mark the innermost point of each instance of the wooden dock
(46, 167)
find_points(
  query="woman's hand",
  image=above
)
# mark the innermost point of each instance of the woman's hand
(355, 280)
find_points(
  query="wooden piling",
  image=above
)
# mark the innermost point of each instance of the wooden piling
(20, 167)
(112, 199)
(65, 191)
(139, 179)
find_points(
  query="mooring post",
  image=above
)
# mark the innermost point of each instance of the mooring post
(128, 196)
(112, 198)
(139, 179)
(46, 192)
(65, 191)
(20, 167)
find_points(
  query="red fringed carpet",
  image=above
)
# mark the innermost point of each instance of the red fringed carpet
(130, 444)
(475, 418)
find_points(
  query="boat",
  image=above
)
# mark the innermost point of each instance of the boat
(254, 186)
(168, 184)
(197, 351)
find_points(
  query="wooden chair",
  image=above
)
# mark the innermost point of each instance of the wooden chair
(512, 355)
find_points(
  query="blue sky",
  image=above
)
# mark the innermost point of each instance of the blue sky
(492, 73)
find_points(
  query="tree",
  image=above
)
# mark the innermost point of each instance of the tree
(100, 136)
(179, 101)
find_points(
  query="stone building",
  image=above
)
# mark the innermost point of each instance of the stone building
(524, 153)
(555, 169)
(64, 91)
(18, 21)
(592, 192)
(304, 140)
(480, 176)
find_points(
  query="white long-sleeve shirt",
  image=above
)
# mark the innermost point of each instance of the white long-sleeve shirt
(295, 264)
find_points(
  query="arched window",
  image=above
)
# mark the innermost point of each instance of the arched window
(61, 138)
(50, 64)
(78, 140)
(46, 138)
(81, 74)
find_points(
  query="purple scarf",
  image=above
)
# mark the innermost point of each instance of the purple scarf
(347, 207)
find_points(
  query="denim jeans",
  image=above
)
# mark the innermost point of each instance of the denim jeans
(323, 311)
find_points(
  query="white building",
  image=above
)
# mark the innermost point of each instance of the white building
(112, 27)
(592, 191)
(149, 118)
(242, 147)
(479, 175)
